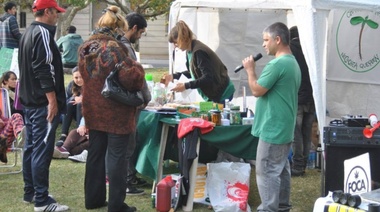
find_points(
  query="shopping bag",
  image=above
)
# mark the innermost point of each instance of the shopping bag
(228, 186)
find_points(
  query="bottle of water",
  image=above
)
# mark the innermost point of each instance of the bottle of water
(311, 159)
(149, 83)
(158, 94)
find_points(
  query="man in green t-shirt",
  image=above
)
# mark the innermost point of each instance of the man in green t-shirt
(275, 117)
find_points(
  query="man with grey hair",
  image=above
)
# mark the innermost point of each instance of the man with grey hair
(275, 116)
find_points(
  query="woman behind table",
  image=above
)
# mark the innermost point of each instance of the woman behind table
(209, 74)
(9, 81)
(109, 122)
(74, 104)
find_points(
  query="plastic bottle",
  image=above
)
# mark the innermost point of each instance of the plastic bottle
(149, 82)
(164, 194)
(372, 119)
(158, 94)
(311, 160)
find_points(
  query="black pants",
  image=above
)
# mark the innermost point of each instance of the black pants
(95, 184)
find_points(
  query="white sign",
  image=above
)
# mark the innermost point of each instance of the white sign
(357, 174)
(354, 55)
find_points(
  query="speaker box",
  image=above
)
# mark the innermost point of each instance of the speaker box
(334, 164)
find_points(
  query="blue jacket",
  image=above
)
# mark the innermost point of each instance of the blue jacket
(9, 31)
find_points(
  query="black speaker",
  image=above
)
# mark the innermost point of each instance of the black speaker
(334, 164)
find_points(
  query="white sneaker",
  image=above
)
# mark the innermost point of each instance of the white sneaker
(52, 207)
(82, 157)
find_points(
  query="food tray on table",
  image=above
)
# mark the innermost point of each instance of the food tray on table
(163, 110)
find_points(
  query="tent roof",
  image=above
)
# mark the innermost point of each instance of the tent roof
(283, 4)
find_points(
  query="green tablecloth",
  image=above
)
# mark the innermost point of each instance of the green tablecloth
(236, 140)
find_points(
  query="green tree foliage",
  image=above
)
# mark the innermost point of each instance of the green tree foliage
(149, 8)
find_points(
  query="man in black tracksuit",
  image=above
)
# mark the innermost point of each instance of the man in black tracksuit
(42, 92)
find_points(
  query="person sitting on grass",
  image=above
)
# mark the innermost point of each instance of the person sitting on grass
(75, 144)
(9, 81)
(10, 128)
(74, 104)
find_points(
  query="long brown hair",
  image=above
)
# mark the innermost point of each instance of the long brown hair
(182, 35)
(76, 89)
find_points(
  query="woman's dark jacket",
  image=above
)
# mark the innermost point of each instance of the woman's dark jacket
(210, 74)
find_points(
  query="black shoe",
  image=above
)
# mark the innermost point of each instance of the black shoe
(297, 173)
(131, 190)
(3, 150)
(89, 207)
(138, 182)
(60, 142)
(127, 208)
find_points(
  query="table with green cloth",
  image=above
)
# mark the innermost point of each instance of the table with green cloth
(235, 139)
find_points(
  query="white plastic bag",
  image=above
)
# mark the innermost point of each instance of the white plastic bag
(228, 186)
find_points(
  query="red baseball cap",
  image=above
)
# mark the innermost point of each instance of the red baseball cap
(43, 4)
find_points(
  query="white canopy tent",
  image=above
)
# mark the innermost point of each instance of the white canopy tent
(233, 29)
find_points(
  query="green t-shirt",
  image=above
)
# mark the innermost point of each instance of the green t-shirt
(276, 111)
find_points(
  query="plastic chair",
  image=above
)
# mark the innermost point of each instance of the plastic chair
(6, 109)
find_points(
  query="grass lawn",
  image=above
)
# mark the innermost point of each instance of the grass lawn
(67, 184)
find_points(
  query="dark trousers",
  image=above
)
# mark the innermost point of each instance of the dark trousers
(132, 159)
(73, 112)
(38, 152)
(132, 153)
(302, 135)
(95, 184)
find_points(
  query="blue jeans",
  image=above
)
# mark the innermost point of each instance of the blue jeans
(273, 176)
(38, 152)
(302, 136)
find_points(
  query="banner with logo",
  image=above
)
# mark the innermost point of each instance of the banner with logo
(8, 60)
(354, 46)
(357, 175)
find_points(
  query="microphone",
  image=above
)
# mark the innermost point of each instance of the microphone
(255, 58)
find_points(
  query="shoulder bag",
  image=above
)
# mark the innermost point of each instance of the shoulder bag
(113, 90)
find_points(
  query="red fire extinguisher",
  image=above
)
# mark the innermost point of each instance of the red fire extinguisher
(164, 194)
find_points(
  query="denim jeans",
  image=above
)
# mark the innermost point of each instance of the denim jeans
(38, 152)
(273, 176)
(302, 136)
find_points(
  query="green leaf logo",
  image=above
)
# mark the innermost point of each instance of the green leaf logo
(363, 21)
